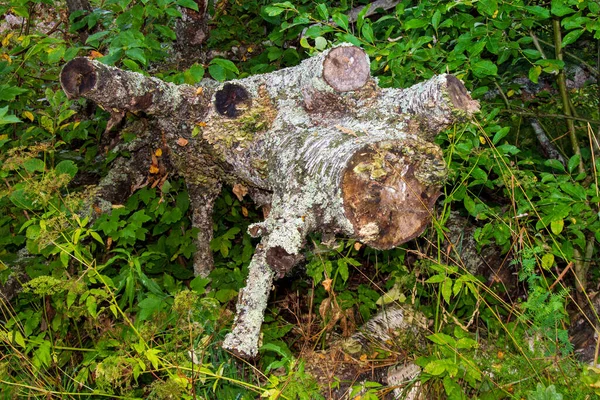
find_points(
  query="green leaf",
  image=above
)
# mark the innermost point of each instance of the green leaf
(435, 20)
(571, 37)
(538, 11)
(136, 54)
(7, 119)
(367, 32)
(555, 164)
(151, 354)
(484, 68)
(91, 305)
(18, 338)
(442, 339)
(447, 290)
(343, 269)
(559, 8)
(323, 12)
(66, 167)
(469, 204)
(188, 4)
(226, 64)
(194, 74)
(436, 279)
(500, 134)
(56, 54)
(466, 343)
(415, 24)
(534, 73)
(341, 20)
(34, 164)
(96, 37)
(320, 43)
(148, 306)
(573, 162)
(487, 7)
(9, 93)
(217, 72)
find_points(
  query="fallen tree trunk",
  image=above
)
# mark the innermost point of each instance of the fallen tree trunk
(321, 142)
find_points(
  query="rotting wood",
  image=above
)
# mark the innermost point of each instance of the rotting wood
(321, 142)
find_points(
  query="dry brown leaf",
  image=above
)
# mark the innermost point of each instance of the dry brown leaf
(240, 191)
(327, 284)
(324, 307)
(357, 246)
(182, 142)
(345, 130)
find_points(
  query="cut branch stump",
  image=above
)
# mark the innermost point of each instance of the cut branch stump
(321, 143)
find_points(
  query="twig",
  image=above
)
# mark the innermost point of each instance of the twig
(544, 115)
(549, 150)
(502, 95)
(561, 275)
(536, 43)
(589, 67)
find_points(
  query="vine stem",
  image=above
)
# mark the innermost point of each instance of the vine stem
(562, 88)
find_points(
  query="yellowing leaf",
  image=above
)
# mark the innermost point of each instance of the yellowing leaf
(510, 93)
(6, 40)
(557, 226)
(158, 152)
(481, 140)
(547, 261)
(387, 67)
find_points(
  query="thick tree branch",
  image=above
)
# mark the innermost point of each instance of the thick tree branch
(331, 150)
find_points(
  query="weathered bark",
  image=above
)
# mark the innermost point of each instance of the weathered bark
(78, 5)
(333, 151)
(192, 31)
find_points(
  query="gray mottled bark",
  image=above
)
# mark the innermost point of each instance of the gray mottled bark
(331, 150)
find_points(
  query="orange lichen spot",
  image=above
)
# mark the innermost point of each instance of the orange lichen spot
(199, 91)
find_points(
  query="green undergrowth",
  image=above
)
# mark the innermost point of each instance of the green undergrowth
(111, 309)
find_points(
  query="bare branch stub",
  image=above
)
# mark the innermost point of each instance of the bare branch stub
(346, 68)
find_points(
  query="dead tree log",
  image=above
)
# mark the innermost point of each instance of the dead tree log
(321, 142)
